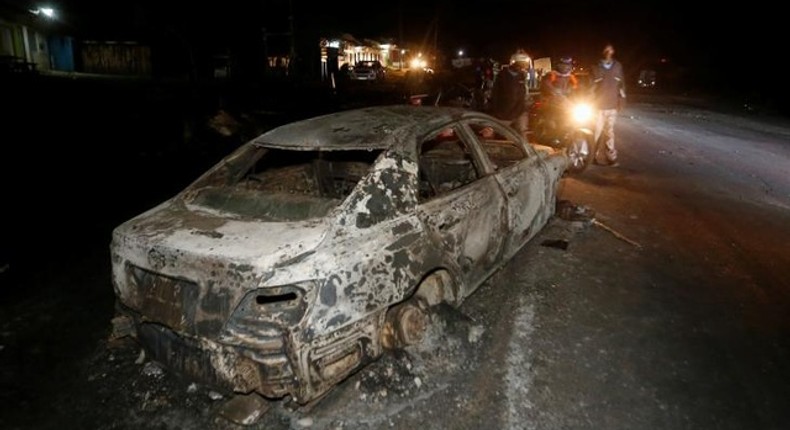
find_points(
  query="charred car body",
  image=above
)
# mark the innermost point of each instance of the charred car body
(303, 254)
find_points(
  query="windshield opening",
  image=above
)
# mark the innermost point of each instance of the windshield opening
(282, 185)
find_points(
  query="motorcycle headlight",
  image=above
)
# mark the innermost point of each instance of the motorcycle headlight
(582, 112)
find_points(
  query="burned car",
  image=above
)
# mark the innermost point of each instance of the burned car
(304, 254)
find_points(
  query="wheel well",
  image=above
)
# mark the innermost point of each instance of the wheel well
(438, 286)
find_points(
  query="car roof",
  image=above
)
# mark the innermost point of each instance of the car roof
(367, 128)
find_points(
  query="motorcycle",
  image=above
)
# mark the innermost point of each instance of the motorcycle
(567, 125)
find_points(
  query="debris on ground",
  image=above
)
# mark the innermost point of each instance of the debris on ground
(122, 326)
(192, 388)
(616, 233)
(555, 243)
(569, 211)
(224, 124)
(153, 369)
(140, 358)
(244, 409)
(213, 395)
(304, 422)
(475, 333)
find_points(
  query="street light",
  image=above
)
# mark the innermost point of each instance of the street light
(460, 52)
(46, 11)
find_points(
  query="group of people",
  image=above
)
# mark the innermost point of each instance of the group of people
(510, 99)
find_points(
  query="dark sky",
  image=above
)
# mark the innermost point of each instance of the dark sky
(692, 34)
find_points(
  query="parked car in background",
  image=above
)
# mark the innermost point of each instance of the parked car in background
(367, 71)
(304, 254)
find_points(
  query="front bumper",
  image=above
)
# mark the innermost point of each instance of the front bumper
(303, 370)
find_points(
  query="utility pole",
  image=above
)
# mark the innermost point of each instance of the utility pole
(292, 59)
(436, 35)
(265, 52)
(400, 35)
(400, 23)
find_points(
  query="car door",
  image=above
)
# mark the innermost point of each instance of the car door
(461, 205)
(522, 176)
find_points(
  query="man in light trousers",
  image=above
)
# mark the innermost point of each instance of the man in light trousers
(609, 92)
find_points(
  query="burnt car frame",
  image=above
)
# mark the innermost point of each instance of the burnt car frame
(284, 278)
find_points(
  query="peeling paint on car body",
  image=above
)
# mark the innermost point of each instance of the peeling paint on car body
(293, 308)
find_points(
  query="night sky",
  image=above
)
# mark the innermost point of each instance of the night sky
(711, 39)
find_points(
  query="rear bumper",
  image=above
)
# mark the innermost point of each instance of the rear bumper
(304, 371)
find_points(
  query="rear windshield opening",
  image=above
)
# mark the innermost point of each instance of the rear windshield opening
(284, 185)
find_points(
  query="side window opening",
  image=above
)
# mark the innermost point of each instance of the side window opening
(501, 148)
(445, 164)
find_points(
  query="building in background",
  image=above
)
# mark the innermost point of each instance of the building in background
(127, 58)
(32, 41)
(346, 50)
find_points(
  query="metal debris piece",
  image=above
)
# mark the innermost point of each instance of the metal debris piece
(616, 234)
(244, 409)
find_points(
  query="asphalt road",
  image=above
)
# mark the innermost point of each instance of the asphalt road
(690, 330)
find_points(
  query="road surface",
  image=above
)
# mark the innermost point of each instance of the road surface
(689, 330)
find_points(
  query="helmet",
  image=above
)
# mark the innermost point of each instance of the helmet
(519, 57)
(565, 66)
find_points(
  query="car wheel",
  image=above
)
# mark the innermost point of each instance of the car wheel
(405, 324)
(579, 153)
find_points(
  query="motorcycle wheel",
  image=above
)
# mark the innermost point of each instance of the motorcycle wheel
(579, 153)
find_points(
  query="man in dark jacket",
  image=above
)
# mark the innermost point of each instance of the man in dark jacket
(510, 98)
(609, 92)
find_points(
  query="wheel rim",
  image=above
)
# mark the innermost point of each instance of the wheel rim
(578, 153)
(405, 325)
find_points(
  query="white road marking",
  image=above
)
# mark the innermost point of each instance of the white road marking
(518, 379)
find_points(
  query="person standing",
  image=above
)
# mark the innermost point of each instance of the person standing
(510, 98)
(609, 92)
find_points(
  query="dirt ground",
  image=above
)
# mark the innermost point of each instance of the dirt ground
(688, 330)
